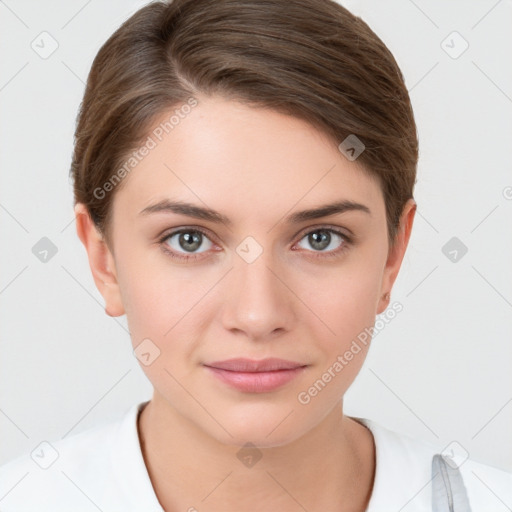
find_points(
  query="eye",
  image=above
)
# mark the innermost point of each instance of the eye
(190, 243)
(325, 240)
(184, 243)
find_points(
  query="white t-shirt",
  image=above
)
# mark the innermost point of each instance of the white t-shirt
(102, 469)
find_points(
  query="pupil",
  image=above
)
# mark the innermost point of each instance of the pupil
(190, 242)
(321, 241)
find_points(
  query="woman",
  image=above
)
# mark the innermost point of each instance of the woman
(244, 174)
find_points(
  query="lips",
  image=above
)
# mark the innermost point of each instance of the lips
(251, 365)
(251, 376)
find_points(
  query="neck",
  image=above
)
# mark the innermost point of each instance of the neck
(330, 468)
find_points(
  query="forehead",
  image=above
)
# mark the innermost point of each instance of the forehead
(243, 160)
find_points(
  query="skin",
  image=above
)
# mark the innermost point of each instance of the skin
(255, 166)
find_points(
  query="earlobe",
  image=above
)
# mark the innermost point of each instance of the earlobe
(101, 261)
(396, 254)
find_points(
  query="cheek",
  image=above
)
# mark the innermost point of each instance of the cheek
(346, 307)
(163, 302)
(160, 315)
(343, 300)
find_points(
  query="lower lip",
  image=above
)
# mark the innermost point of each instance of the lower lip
(256, 382)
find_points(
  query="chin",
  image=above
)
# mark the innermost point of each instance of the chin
(261, 428)
(259, 438)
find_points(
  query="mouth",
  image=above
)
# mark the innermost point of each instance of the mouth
(254, 376)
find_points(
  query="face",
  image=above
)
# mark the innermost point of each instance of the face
(250, 278)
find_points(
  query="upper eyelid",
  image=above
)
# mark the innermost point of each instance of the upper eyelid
(327, 227)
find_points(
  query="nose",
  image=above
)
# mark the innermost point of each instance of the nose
(258, 302)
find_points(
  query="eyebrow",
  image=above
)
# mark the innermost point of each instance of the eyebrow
(199, 212)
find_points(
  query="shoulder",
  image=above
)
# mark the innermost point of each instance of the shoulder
(63, 473)
(404, 479)
(83, 472)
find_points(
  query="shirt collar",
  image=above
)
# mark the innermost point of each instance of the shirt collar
(397, 471)
(129, 467)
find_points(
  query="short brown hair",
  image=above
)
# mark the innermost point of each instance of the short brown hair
(311, 59)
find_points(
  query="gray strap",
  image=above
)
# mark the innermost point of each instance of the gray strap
(448, 491)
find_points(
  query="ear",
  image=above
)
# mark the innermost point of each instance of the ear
(396, 254)
(101, 261)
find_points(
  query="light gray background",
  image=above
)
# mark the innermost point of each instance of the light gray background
(440, 371)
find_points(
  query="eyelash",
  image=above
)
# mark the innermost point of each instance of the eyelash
(347, 242)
